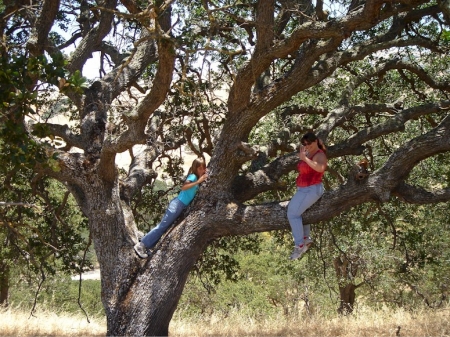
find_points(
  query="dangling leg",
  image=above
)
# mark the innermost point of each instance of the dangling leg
(300, 202)
(151, 238)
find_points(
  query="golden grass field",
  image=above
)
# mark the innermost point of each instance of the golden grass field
(364, 323)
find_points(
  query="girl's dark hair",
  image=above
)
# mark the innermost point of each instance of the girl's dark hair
(311, 137)
(198, 162)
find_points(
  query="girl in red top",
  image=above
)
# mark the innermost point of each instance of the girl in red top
(312, 165)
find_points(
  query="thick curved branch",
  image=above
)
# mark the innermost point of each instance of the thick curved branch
(139, 173)
(44, 22)
(138, 118)
(129, 71)
(405, 158)
(419, 195)
(92, 41)
(239, 219)
(63, 131)
(248, 186)
(397, 123)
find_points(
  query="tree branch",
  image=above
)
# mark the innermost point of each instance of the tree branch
(405, 158)
(353, 145)
(63, 131)
(93, 39)
(41, 29)
(139, 173)
(137, 119)
(251, 184)
(419, 195)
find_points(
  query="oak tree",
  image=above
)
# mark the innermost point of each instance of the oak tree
(204, 75)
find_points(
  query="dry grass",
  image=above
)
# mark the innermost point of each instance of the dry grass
(364, 323)
(369, 323)
(19, 323)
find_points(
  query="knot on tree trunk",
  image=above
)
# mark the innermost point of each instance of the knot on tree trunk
(360, 170)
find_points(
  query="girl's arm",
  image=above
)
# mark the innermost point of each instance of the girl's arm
(317, 163)
(189, 184)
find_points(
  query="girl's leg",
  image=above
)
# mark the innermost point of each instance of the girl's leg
(300, 202)
(306, 231)
(307, 228)
(173, 212)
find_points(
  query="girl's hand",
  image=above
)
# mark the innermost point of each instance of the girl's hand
(203, 178)
(302, 154)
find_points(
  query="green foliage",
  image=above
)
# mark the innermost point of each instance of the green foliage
(41, 229)
(60, 295)
(219, 263)
(400, 262)
(269, 285)
(20, 97)
(446, 35)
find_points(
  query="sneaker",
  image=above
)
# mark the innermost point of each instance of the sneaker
(298, 252)
(308, 242)
(141, 250)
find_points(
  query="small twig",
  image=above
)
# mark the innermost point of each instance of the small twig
(81, 280)
(37, 292)
(4, 203)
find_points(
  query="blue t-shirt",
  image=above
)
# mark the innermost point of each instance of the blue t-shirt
(188, 195)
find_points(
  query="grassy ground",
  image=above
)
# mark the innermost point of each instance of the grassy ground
(364, 323)
(384, 323)
(20, 323)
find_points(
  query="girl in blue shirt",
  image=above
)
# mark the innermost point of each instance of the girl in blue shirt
(197, 174)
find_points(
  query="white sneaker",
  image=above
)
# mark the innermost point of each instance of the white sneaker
(141, 250)
(308, 242)
(298, 252)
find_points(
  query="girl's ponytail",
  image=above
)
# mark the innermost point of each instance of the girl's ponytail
(321, 145)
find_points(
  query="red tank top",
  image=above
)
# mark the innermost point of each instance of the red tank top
(308, 176)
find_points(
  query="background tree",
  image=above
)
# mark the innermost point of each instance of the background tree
(270, 59)
(41, 233)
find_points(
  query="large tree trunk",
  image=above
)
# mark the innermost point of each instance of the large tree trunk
(139, 296)
(148, 304)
